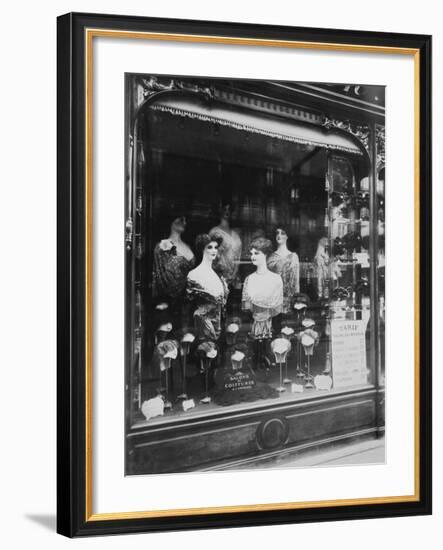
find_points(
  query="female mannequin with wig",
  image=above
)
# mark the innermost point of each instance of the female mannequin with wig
(207, 290)
(321, 262)
(286, 264)
(230, 247)
(325, 268)
(262, 290)
(173, 259)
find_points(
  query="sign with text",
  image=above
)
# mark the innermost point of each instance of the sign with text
(240, 380)
(348, 353)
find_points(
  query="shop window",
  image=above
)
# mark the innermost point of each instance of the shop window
(250, 275)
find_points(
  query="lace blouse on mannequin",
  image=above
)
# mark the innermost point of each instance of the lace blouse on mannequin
(170, 270)
(262, 292)
(173, 259)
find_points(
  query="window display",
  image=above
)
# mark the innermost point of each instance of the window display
(251, 280)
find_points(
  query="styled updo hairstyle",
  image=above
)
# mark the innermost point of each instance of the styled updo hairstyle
(226, 202)
(218, 207)
(202, 241)
(166, 217)
(284, 228)
(263, 245)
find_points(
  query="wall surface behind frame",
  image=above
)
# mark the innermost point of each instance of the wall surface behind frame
(27, 463)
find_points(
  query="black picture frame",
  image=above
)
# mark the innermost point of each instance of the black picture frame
(73, 517)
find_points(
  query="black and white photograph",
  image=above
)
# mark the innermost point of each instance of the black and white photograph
(244, 307)
(254, 274)
(220, 326)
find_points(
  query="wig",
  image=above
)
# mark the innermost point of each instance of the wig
(263, 245)
(166, 217)
(217, 208)
(284, 228)
(202, 241)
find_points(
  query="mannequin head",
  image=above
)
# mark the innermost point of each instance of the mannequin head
(281, 235)
(178, 224)
(210, 251)
(224, 211)
(170, 219)
(260, 249)
(207, 247)
(323, 243)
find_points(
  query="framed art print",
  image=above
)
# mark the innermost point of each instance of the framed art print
(244, 274)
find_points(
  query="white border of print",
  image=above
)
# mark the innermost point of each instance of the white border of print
(112, 492)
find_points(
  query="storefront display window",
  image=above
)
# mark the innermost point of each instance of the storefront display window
(250, 242)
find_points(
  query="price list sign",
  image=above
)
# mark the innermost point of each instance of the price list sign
(348, 353)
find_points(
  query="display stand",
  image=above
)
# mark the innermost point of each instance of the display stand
(207, 352)
(206, 365)
(308, 340)
(261, 360)
(287, 333)
(280, 348)
(308, 377)
(185, 345)
(167, 363)
(300, 312)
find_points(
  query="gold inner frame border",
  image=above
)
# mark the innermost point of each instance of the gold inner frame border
(90, 34)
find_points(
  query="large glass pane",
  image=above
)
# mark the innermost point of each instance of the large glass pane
(348, 277)
(250, 259)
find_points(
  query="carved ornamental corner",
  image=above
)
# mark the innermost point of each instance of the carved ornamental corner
(362, 132)
(153, 85)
